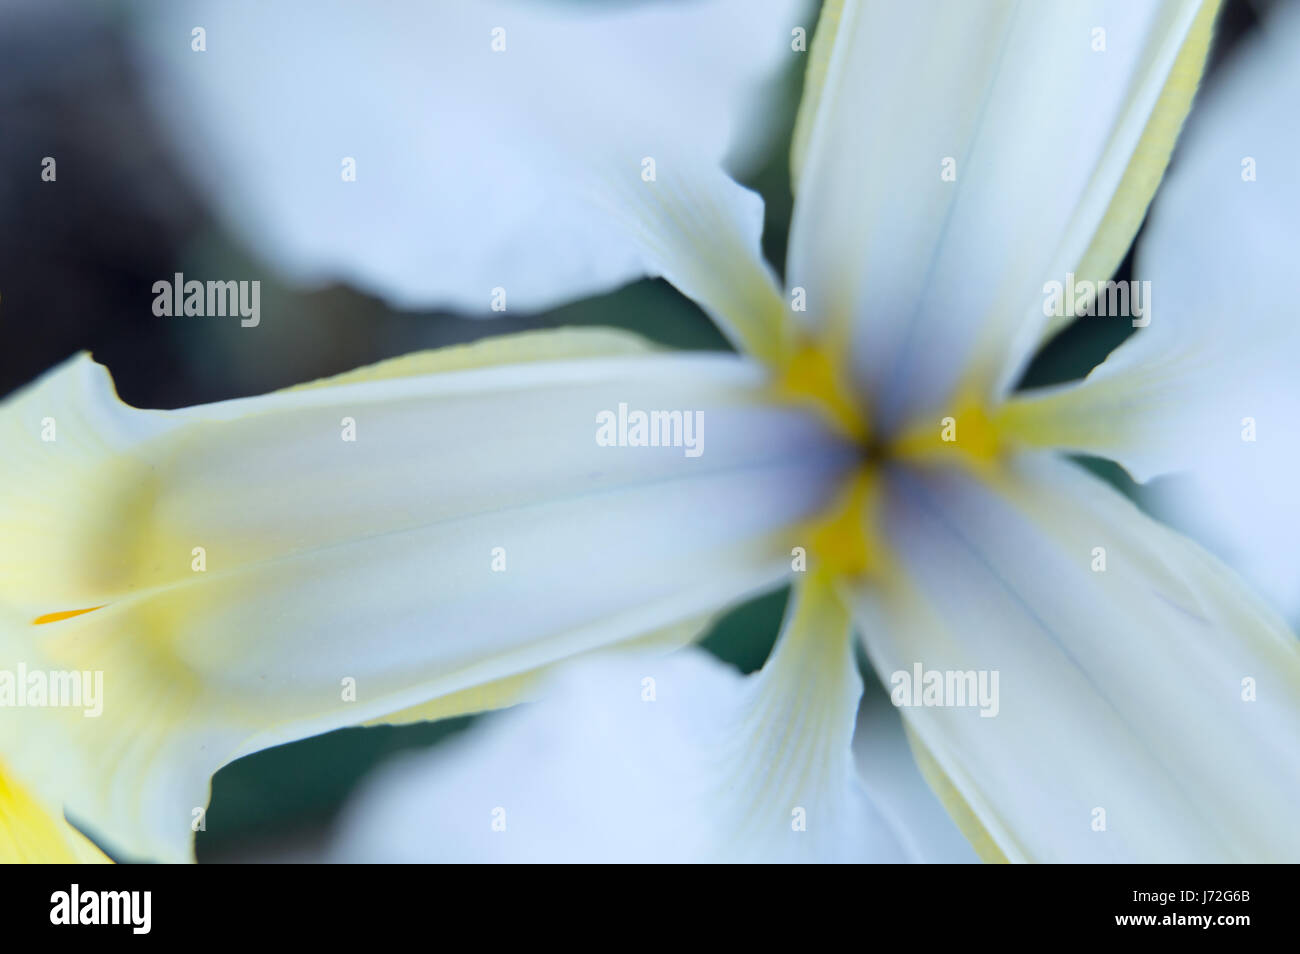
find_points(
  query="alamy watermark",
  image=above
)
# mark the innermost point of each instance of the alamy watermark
(132, 909)
(946, 688)
(1077, 299)
(211, 299)
(53, 689)
(651, 429)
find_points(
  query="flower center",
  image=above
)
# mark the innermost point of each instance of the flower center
(845, 538)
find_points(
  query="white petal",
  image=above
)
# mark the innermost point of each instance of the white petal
(1121, 690)
(712, 766)
(328, 560)
(939, 283)
(520, 169)
(896, 787)
(1208, 388)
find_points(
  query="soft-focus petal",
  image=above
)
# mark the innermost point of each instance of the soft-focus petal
(676, 758)
(472, 532)
(938, 282)
(1209, 387)
(896, 787)
(527, 686)
(1147, 707)
(476, 169)
(31, 833)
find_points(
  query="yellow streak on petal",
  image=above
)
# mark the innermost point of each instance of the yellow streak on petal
(845, 541)
(813, 374)
(64, 614)
(32, 834)
(525, 347)
(814, 85)
(967, 435)
(1059, 417)
(963, 816)
(523, 687)
(1150, 158)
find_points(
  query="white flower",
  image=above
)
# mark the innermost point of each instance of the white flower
(1219, 252)
(1124, 727)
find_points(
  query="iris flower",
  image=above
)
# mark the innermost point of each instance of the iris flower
(475, 545)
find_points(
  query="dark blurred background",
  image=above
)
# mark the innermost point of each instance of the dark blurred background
(79, 256)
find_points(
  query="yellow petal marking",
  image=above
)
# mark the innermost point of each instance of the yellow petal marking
(64, 614)
(812, 374)
(845, 541)
(814, 86)
(1150, 159)
(963, 816)
(968, 435)
(32, 834)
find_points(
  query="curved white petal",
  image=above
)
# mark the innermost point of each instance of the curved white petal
(1147, 707)
(1209, 387)
(249, 571)
(522, 168)
(676, 758)
(963, 154)
(890, 775)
